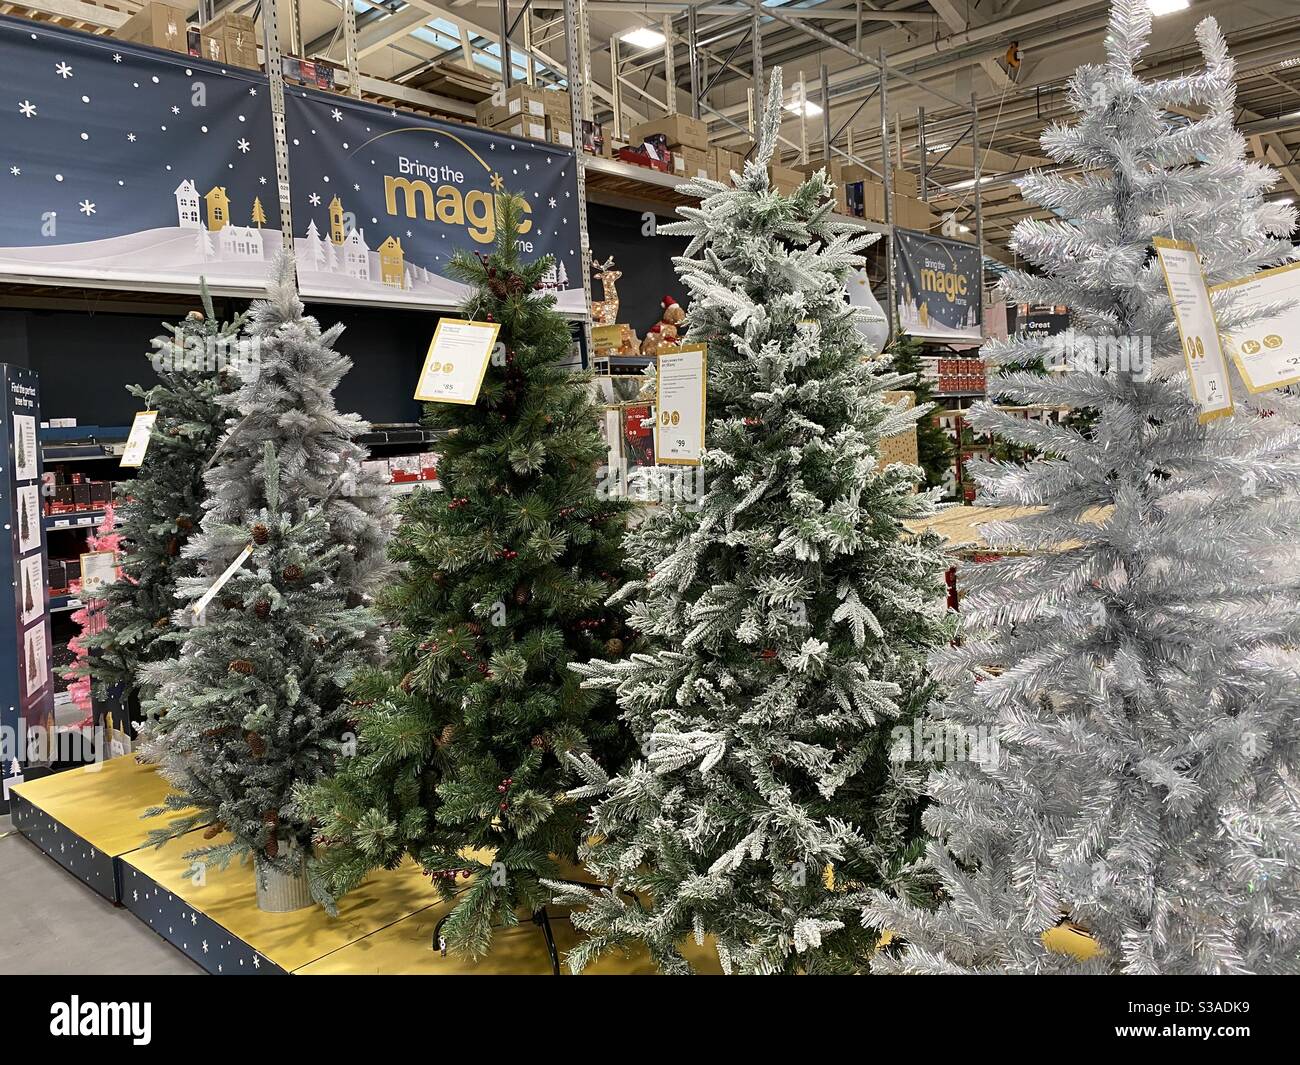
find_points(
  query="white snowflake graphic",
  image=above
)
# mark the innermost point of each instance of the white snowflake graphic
(257, 962)
(117, 57)
(242, 145)
(252, 92)
(28, 109)
(261, 181)
(204, 945)
(175, 110)
(356, 187)
(131, 137)
(63, 70)
(337, 115)
(86, 207)
(314, 199)
(550, 202)
(408, 234)
(15, 170)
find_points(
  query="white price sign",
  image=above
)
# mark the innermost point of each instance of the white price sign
(457, 361)
(98, 570)
(680, 397)
(138, 442)
(1267, 351)
(1207, 366)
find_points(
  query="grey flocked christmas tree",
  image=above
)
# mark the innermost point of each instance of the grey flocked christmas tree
(254, 705)
(287, 399)
(787, 618)
(1139, 668)
(158, 510)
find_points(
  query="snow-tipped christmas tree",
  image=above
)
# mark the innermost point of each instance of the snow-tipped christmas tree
(1139, 668)
(286, 397)
(461, 762)
(788, 616)
(157, 511)
(255, 704)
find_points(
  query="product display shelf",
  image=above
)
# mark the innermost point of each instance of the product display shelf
(407, 949)
(86, 819)
(216, 922)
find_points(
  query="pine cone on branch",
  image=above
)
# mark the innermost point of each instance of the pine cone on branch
(261, 534)
(242, 666)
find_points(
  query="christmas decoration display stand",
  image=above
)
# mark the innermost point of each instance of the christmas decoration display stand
(86, 819)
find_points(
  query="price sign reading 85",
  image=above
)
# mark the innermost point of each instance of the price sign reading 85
(457, 361)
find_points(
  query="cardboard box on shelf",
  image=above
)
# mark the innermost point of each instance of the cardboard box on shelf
(906, 183)
(783, 178)
(160, 25)
(559, 130)
(678, 129)
(521, 99)
(532, 127)
(232, 46)
(231, 20)
(725, 161)
(690, 162)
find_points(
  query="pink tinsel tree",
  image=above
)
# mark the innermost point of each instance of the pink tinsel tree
(92, 616)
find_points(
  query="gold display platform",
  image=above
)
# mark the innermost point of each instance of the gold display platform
(217, 922)
(87, 818)
(406, 949)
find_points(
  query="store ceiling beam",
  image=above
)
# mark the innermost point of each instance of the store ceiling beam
(385, 30)
(956, 21)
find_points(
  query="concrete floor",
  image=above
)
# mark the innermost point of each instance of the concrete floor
(52, 925)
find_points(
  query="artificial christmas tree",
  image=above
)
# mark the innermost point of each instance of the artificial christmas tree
(461, 761)
(787, 616)
(157, 511)
(287, 399)
(934, 451)
(1139, 671)
(255, 703)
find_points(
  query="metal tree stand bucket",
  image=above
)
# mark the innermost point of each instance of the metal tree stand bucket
(279, 891)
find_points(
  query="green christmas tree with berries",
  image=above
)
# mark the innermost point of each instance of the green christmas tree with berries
(464, 740)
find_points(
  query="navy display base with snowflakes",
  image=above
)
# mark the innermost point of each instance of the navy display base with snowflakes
(86, 819)
(213, 918)
(94, 867)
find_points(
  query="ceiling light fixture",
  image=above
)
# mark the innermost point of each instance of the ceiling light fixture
(642, 37)
(809, 108)
(1167, 7)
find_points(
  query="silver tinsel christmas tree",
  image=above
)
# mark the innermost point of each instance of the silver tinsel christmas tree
(1139, 666)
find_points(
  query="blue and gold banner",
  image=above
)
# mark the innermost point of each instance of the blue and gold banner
(937, 285)
(124, 163)
(382, 200)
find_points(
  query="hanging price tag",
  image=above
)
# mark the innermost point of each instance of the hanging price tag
(201, 604)
(98, 571)
(138, 442)
(1267, 351)
(456, 362)
(1207, 367)
(680, 397)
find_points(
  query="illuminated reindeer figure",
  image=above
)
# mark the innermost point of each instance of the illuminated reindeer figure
(605, 312)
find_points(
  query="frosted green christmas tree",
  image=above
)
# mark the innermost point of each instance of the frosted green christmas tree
(1139, 669)
(787, 617)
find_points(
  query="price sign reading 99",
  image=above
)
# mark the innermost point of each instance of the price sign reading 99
(681, 395)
